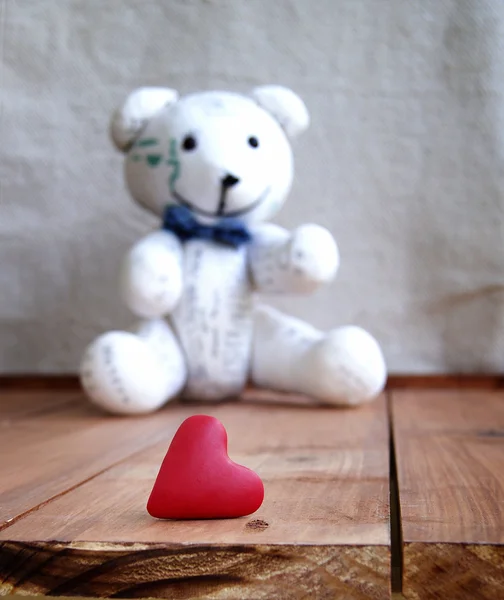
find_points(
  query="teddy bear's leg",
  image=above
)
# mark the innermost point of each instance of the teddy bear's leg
(134, 372)
(344, 366)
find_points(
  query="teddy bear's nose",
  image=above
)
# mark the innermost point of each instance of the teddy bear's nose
(229, 181)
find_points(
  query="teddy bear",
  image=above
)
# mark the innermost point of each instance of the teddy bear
(215, 167)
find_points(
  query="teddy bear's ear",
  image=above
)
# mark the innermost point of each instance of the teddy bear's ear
(129, 119)
(285, 105)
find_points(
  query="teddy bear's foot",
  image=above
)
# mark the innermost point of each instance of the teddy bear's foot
(343, 367)
(134, 373)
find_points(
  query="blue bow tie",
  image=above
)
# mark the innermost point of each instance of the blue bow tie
(179, 220)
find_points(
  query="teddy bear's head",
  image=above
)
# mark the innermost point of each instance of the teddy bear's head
(220, 154)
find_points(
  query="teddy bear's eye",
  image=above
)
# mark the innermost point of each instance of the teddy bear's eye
(253, 141)
(189, 143)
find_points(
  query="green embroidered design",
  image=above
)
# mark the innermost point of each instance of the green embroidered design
(174, 162)
(147, 142)
(153, 160)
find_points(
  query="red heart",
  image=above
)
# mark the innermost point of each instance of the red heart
(198, 480)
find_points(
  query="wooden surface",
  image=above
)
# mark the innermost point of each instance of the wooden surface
(75, 484)
(450, 468)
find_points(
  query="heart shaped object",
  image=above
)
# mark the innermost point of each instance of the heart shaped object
(198, 480)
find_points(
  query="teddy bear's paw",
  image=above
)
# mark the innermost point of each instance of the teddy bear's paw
(151, 280)
(346, 367)
(312, 256)
(123, 375)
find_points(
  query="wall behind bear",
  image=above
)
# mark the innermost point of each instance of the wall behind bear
(403, 161)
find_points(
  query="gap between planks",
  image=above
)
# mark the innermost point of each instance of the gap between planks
(396, 540)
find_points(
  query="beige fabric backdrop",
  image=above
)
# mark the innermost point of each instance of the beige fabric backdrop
(404, 161)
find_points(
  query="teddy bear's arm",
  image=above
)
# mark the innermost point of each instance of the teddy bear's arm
(292, 262)
(151, 277)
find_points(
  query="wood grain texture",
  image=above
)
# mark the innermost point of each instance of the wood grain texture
(454, 571)
(322, 531)
(248, 572)
(450, 466)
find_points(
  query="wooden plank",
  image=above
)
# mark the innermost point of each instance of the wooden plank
(44, 455)
(70, 382)
(450, 466)
(445, 381)
(20, 404)
(322, 532)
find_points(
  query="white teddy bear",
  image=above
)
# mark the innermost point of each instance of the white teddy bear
(215, 166)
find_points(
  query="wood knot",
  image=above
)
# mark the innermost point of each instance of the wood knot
(301, 459)
(257, 525)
